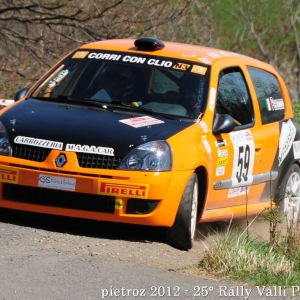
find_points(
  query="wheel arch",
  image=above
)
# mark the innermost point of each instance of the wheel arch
(202, 189)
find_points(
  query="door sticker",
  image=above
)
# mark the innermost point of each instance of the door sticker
(206, 144)
(222, 161)
(220, 171)
(212, 99)
(221, 143)
(222, 153)
(243, 161)
(296, 149)
(287, 136)
(234, 192)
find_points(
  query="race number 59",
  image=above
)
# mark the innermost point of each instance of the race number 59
(243, 161)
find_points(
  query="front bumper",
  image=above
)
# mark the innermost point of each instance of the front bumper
(136, 197)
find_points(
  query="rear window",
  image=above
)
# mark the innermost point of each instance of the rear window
(269, 95)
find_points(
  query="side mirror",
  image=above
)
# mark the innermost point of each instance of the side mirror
(21, 93)
(223, 124)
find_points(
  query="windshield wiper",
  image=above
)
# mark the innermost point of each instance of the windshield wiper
(107, 105)
(143, 109)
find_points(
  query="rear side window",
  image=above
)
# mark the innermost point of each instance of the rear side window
(269, 95)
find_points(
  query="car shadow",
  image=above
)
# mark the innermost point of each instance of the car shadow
(103, 229)
(84, 227)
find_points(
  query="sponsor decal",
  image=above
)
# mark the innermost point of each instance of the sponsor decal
(222, 153)
(296, 149)
(90, 149)
(24, 140)
(206, 144)
(106, 56)
(203, 125)
(181, 66)
(131, 59)
(214, 55)
(221, 143)
(248, 135)
(159, 63)
(222, 161)
(80, 54)
(189, 55)
(234, 192)
(287, 136)
(212, 99)
(274, 104)
(218, 54)
(9, 175)
(121, 189)
(6, 102)
(204, 60)
(198, 70)
(238, 137)
(57, 182)
(243, 160)
(220, 171)
(119, 204)
(141, 121)
(60, 76)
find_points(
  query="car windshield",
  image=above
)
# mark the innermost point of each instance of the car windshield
(160, 84)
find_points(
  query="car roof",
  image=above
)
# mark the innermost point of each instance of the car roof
(172, 49)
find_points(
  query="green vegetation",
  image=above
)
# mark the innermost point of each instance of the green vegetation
(247, 258)
(296, 109)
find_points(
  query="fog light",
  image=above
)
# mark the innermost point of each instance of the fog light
(140, 206)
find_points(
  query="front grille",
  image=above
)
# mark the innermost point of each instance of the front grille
(85, 160)
(96, 161)
(57, 198)
(30, 152)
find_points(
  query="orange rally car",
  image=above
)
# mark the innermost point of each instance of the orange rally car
(153, 133)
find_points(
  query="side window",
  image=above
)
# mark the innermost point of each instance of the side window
(268, 94)
(233, 97)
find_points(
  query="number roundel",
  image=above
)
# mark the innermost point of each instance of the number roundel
(243, 145)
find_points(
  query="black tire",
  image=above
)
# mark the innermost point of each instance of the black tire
(182, 234)
(3, 211)
(290, 199)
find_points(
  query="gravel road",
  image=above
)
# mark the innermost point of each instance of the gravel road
(50, 257)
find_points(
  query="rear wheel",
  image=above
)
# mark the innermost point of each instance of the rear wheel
(290, 203)
(182, 234)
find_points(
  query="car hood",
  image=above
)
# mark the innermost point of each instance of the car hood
(72, 124)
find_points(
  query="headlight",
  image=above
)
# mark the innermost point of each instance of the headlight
(4, 141)
(152, 156)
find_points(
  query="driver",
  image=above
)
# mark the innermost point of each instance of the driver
(188, 95)
(115, 83)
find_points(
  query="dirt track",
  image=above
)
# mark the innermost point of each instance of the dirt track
(143, 245)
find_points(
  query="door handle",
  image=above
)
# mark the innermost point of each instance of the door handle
(258, 147)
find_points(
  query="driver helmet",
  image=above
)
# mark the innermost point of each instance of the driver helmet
(118, 82)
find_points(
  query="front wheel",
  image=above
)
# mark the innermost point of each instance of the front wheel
(182, 234)
(290, 203)
(3, 211)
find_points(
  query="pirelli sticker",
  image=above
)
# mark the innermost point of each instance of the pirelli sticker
(9, 175)
(122, 189)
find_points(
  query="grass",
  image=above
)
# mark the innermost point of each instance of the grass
(296, 109)
(246, 258)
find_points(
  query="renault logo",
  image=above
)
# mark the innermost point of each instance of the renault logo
(61, 160)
